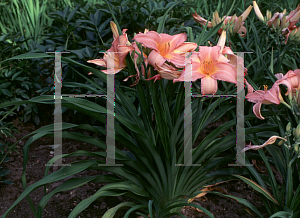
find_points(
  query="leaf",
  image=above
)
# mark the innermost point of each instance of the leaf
(4, 85)
(6, 92)
(111, 212)
(71, 15)
(162, 22)
(258, 188)
(282, 214)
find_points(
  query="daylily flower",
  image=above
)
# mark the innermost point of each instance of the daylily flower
(118, 45)
(210, 65)
(165, 47)
(259, 97)
(270, 141)
(233, 23)
(291, 79)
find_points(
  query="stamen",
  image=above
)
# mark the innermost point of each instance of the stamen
(265, 87)
(207, 66)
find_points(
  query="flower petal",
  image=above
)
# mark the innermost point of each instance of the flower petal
(186, 47)
(195, 75)
(209, 85)
(250, 88)
(256, 110)
(207, 53)
(279, 75)
(226, 72)
(99, 62)
(174, 40)
(155, 58)
(150, 39)
(272, 94)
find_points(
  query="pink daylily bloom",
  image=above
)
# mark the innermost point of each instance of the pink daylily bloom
(291, 79)
(165, 47)
(210, 65)
(118, 45)
(259, 97)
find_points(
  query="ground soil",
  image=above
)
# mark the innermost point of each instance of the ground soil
(61, 204)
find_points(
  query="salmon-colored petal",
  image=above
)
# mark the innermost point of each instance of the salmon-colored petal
(122, 40)
(174, 40)
(242, 31)
(226, 72)
(272, 94)
(209, 53)
(256, 110)
(255, 97)
(208, 85)
(150, 39)
(195, 75)
(155, 58)
(287, 84)
(292, 13)
(168, 72)
(99, 62)
(124, 50)
(114, 71)
(279, 75)
(186, 47)
(222, 58)
(250, 88)
(177, 59)
(297, 71)
(227, 50)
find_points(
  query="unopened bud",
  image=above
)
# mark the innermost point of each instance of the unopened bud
(257, 11)
(114, 29)
(297, 132)
(288, 127)
(296, 148)
(246, 12)
(237, 24)
(216, 18)
(277, 23)
(281, 142)
(283, 22)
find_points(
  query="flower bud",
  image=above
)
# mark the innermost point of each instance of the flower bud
(237, 25)
(297, 132)
(283, 22)
(296, 148)
(281, 142)
(257, 11)
(288, 127)
(216, 18)
(246, 13)
(114, 29)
